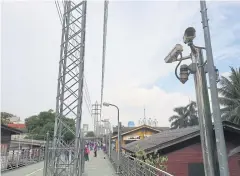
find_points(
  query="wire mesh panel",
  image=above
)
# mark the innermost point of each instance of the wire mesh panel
(64, 158)
(113, 158)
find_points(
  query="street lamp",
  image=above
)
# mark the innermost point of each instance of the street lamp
(198, 69)
(118, 153)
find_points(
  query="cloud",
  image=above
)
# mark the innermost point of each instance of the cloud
(140, 35)
(226, 74)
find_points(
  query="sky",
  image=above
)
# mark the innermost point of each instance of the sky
(140, 35)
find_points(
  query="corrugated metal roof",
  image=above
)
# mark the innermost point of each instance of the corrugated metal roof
(170, 137)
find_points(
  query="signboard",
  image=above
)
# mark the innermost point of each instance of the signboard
(133, 138)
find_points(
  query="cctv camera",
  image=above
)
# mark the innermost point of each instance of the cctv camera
(173, 55)
(189, 35)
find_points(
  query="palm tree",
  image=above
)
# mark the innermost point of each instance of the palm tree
(230, 96)
(186, 116)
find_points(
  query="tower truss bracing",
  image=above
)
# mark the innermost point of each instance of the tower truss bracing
(63, 157)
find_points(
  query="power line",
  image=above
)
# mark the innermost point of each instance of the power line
(59, 11)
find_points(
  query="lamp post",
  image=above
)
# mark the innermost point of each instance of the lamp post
(118, 153)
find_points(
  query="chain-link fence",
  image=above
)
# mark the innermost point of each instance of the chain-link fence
(21, 157)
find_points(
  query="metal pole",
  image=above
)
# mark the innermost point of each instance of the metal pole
(204, 114)
(18, 150)
(104, 52)
(119, 144)
(220, 140)
(109, 144)
(46, 156)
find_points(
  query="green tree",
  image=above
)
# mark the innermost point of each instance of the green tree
(90, 134)
(153, 159)
(39, 125)
(5, 118)
(185, 116)
(229, 96)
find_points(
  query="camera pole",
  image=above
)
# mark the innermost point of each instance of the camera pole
(204, 113)
(220, 141)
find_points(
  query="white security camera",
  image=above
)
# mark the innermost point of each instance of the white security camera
(189, 35)
(173, 55)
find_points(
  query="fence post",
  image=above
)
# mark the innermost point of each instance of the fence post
(109, 145)
(18, 151)
(135, 164)
(128, 167)
(46, 155)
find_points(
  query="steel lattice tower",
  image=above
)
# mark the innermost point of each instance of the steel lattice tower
(64, 159)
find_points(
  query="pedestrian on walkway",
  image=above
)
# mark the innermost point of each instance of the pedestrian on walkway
(95, 150)
(86, 153)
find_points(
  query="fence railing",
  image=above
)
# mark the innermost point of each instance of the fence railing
(18, 158)
(130, 166)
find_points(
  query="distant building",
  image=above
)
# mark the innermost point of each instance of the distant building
(130, 134)
(131, 124)
(14, 119)
(85, 127)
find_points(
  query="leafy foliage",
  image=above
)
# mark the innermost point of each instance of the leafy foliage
(153, 159)
(230, 96)
(90, 134)
(186, 116)
(39, 125)
(5, 118)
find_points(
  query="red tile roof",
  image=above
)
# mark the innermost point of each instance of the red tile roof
(18, 126)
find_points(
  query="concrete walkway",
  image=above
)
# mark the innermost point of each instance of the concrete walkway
(31, 170)
(99, 166)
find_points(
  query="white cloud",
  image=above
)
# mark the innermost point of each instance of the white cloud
(226, 74)
(140, 35)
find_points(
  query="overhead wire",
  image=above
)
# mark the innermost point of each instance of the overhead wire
(59, 11)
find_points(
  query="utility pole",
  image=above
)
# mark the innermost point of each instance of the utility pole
(104, 53)
(96, 112)
(119, 145)
(204, 113)
(220, 140)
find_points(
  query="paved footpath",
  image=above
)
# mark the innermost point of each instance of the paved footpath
(99, 166)
(96, 166)
(31, 170)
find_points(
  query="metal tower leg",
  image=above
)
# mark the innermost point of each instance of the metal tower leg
(65, 157)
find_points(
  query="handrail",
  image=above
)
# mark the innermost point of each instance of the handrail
(135, 159)
(134, 166)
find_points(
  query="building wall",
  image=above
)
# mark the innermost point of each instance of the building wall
(178, 160)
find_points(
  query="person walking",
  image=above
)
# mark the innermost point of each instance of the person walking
(86, 153)
(95, 150)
